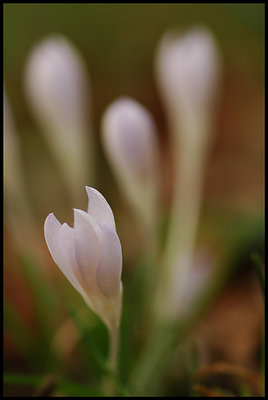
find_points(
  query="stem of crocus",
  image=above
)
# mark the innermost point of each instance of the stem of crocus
(151, 280)
(113, 350)
(109, 382)
(192, 145)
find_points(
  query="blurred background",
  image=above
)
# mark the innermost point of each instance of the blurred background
(118, 43)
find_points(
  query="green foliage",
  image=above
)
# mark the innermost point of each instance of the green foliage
(64, 387)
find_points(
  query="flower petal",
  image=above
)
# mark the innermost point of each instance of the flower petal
(87, 247)
(51, 227)
(98, 207)
(110, 262)
(55, 240)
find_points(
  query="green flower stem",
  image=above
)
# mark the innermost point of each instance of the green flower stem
(111, 383)
(113, 350)
(190, 153)
(151, 274)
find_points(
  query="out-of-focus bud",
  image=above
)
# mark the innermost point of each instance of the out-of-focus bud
(130, 142)
(187, 70)
(16, 200)
(56, 86)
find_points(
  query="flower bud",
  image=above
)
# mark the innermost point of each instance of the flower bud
(129, 139)
(55, 83)
(90, 256)
(187, 69)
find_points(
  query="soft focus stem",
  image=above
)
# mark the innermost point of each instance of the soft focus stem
(110, 380)
(151, 280)
(113, 350)
(190, 151)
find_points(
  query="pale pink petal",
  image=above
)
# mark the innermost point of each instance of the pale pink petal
(110, 262)
(83, 221)
(51, 227)
(53, 231)
(98, 208)
(87, 247)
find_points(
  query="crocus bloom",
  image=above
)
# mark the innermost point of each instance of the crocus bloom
(90, 256)
(130, 141)
(56, 86)
(187, 71)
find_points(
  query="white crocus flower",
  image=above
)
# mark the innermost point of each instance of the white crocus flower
(130, 141)
(187, 70)
(56, 86)
(90, 256)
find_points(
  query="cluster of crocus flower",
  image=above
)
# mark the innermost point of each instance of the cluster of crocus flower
(89, 254)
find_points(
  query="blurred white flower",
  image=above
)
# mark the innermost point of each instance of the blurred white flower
(90, 256)
(187, 71)
(130, 141)
(56, 86)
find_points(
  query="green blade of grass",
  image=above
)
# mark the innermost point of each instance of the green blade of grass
(65, 387)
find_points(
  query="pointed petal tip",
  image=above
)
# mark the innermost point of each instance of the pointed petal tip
(98, 207)
(78, 211)
(49, 215)
(91, 189)
(83, 220)
(51, 219)
(51, 226)
(77, 214)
